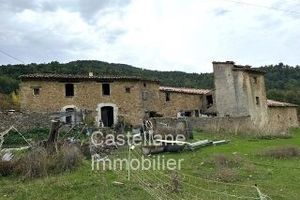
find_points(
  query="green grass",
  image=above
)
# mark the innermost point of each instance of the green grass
(278, 178)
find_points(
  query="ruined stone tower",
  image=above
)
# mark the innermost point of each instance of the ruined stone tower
(240, 91)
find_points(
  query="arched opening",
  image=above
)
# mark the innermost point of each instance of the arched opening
(70, 115)
(107, 116)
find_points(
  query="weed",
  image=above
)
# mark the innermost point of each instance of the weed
(6, 168)
(282, 152)
(226, 175)
(225, 161)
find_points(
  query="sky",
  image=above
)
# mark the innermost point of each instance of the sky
(181, 35)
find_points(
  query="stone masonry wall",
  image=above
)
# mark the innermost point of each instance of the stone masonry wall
(239, 125)
(24, 121)
(179, 102)
(88, 95)
(282, 118)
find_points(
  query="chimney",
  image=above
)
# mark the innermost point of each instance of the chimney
(91, 74)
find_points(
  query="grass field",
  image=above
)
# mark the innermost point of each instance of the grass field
(240, 162)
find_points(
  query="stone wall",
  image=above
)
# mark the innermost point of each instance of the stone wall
(23, 121)
(239, 125)
(88, 95)
(143, 97)
(179, 102)
(282, 118)
(215, 124)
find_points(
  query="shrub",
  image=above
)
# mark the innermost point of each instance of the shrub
(33, 164)
(282, 152)
(273, 137)
(175, 182)
(69, 158)
(85, 149)
(38, 162)
(226, 175)
(223, 161)
(6, 168)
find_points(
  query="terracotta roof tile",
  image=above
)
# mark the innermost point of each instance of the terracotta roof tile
(73, 77)
(272, 103)
(184, 90)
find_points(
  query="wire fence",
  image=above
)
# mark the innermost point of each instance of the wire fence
(175, 184)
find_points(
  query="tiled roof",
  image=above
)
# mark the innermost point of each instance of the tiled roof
(72, 77)
(184, 90)
(273, 103)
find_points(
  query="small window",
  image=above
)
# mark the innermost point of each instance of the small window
(36, 91)
(197, 113)
(187, 113)
(127, 89)
(257, 100)
(105, 89)
(69, 115)
(69, 88)
(168, 96)
(209, 100)
(255, 79)
(145, 85)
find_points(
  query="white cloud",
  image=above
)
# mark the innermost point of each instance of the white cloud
(157, 34)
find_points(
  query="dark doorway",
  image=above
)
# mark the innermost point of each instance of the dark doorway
(107, 116)
(69, 115)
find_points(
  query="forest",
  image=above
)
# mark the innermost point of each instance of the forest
(282, 81)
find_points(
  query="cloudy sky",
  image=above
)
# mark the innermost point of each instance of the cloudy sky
(185, 35)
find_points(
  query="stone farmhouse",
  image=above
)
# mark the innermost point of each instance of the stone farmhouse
(239, 94)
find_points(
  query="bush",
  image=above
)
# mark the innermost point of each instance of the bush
(6, 168)
(38, 162)
(226, 175)
(273, 137)
(282, 152)
(69, 158)
(224, 161)
(33, 164)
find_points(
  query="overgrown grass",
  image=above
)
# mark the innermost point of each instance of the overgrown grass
(38, 162)
(239, 162)
(283, 152)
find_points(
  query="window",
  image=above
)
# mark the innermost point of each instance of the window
(127, 89)
(255, 79)
(209, 100)
(168, 96)
(187, 113)
(145, 85)
(69, 115)
(197, 113)
(154, 114)
(257, 100)
(69, 89)
(105, 89)
(36, 91)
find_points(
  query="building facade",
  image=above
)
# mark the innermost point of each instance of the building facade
(239, 93)
(107, 99)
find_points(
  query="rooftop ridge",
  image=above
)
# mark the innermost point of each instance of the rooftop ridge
(52, 76)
